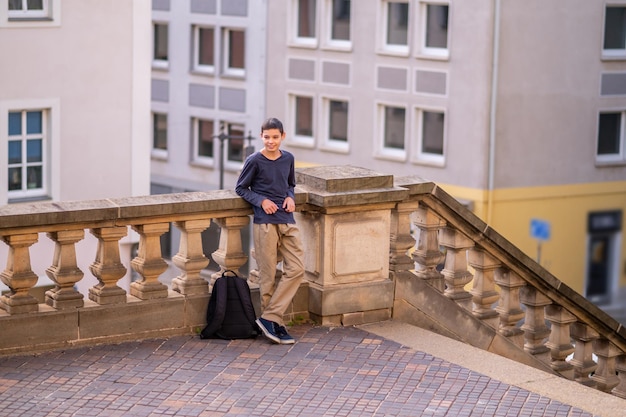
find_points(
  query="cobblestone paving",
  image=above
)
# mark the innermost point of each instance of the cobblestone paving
(328, 372)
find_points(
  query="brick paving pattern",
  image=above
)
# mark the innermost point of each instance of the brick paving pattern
(328, 372)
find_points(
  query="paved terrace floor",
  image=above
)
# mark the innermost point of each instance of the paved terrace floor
(385, 369)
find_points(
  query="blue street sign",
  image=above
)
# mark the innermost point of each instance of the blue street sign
(539, 229)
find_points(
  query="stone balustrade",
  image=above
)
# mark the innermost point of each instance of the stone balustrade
(363, 262)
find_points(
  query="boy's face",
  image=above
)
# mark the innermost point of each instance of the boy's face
(272, 138)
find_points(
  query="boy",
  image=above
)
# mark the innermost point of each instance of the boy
(267, 182)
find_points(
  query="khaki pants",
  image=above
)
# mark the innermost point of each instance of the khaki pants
(270, 240)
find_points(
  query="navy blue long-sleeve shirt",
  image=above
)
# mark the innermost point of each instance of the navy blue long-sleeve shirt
(263, 178)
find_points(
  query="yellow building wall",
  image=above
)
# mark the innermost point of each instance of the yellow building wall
(566, 208)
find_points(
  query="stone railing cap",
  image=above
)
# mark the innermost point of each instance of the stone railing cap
(338, 179)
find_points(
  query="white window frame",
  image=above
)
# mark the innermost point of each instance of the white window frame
(301, 140)
(328, 143)
(612, 54)
(226, 69)
(198, 159)
(161, 64)
(382, 151)
(49, 16)
(428, 158)
(50, 151)
(617, 158)
(161, 154)
(424, 50)
(231, 164)
(383, 18)
(197, 66)
(327, 30)
(299, 41)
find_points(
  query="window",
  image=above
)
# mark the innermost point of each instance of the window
(234, 52)
(430, 139)
(159, 135)
(435, 30)
(336, 115)
(301, 111)
(204, 49)
(29, 9)
(615, 32)
(338, 22)
(611, 137)
(204, 138)
(160, 41)
(395, 23)
(235, 143)
(27, 148)
(392, 131)
(304, 18)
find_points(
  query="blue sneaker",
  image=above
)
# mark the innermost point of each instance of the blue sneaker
(268, 329)
(283, 336)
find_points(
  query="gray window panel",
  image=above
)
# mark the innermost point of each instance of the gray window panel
(204, 6)
(232, 99)
(430, 82)
(333, 72)
(235, 7)
(160, 90)
(161, 5)
(613, 84)
(392, 78)
(202, 96)
(302, 69)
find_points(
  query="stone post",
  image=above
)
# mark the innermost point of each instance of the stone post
(509, 307)
(64, 271)
(149, 262)
(230, 254)
(401, 238)
(605, 376)
(427, 255)
(107, 267)
(583, 362)
(559, 342)
(620, 366)
(190, 258)
(534, 327)
(19, 276)
(346, 229)
(455, 271)
(483, 292)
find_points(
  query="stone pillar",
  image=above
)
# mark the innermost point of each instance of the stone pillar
(509, 307)
(483, 292)
(401, 238)
(427, 255)
(455, 271)
(346, 227)
(605, 376)
(559, 342)
(107, 267)
(190, 258)
(583, 362)
(149, 262)
(19, 276)
(64, 271)
(230, 254)
(534, 327)
(620, 366)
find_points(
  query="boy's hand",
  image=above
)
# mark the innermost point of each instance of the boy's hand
(269, 206)
(289, 205)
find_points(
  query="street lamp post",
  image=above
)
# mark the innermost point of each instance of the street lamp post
(248, 150)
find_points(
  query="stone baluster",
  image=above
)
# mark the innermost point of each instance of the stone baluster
(107, 267)
(583, 362)
(509, 307)
(620, 366)
(427, 255)
(605, 376)
(455, 271)
(483, 291)
(560, 342)
(230, 254)
(19, 276)
(64, 271)
(534, 327)
(401, 239)
(190, 258)
(149, 262)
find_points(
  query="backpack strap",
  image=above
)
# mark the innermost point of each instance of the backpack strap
(217, 308)
(246, 301)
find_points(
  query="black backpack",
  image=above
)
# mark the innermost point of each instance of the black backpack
(230, 314)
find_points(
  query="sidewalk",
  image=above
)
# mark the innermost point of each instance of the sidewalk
(369, 371)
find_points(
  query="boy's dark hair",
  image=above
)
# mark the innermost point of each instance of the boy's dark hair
(272, 123)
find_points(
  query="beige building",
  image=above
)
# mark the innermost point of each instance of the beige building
(517, 107)
(74, 105)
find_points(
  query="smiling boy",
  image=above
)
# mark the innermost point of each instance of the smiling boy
(267, 182)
